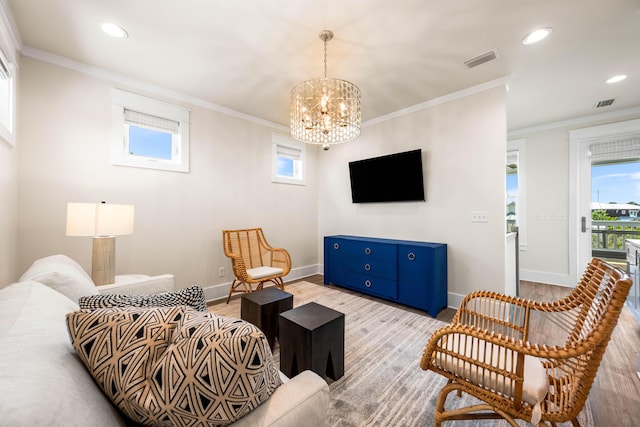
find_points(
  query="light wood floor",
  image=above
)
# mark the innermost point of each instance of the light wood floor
(615, 395)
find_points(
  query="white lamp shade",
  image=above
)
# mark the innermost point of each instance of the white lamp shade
(99, 219)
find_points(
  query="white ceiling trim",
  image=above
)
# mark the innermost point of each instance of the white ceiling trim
(579, 121)
(64, 62)
(502, 81)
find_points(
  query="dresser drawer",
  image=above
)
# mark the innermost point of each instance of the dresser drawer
(374, 285)
(373, 250)
(373, 267)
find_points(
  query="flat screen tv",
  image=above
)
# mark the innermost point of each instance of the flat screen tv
(392, 178)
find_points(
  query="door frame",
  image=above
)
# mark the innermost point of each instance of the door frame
(580, 187)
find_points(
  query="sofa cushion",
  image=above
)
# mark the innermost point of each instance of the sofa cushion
(62, 274)
(173, 365)
(193, 297)
(42, 380)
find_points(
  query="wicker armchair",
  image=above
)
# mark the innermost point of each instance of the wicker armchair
(488, 353)
(253, 260)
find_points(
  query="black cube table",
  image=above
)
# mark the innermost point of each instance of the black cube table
(262, 308)
(312, 337)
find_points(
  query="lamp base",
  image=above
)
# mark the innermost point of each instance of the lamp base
(103, 260)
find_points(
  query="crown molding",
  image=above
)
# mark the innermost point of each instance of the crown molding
(578, 121)
(122, 79)
(441, 100)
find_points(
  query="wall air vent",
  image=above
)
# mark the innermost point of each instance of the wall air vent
(482, 58)
(605, 103)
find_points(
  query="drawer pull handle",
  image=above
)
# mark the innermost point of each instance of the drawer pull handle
(336, 246)
(367, 251)
(367, 283)
(367, 267)
(411, 256)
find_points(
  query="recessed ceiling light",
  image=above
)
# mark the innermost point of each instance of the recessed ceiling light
(616, 79)
(537, 35)
(114, 30)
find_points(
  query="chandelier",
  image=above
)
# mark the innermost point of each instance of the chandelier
(325, 111)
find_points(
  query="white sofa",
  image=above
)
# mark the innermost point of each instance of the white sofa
(66, 276)
(44, 383)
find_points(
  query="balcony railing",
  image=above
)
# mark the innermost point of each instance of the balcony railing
(607, 237)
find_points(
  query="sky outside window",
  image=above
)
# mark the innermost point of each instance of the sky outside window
(615, 183)
(149, 143)
(512, 187)
(285, 167)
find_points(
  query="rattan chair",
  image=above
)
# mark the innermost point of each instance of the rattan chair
(253, 260)
(487, 351)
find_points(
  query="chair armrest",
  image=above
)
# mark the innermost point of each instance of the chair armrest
(494, 312)
(139, 285)
(302, 400)
(280, 258)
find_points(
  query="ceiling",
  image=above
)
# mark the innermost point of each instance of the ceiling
(246, 55)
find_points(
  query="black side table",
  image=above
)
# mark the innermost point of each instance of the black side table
(312, 337)
(262, 308)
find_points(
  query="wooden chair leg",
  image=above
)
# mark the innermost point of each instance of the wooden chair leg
(235, 285)
(481, 411)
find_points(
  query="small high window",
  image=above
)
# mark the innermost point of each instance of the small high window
(149, 133)
(288, 161)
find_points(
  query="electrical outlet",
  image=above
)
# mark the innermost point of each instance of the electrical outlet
(479, 216)
(221, 272)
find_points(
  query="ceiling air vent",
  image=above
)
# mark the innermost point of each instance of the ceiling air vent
(605, 103)
(482, 58)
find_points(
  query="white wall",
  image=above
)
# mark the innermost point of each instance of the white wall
(546, 256)
(64, 140)
(463, 144)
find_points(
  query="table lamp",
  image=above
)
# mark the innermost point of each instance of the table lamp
(102, 221)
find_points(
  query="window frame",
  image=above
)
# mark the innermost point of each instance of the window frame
(519, 146)
(120, 154)
(7, 130)
(290, 144)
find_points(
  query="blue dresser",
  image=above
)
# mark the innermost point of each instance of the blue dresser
(407, 272)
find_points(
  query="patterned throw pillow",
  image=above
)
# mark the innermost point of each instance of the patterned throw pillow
(175, 366)
(193, 296)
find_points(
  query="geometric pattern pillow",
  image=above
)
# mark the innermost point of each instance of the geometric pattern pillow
(192, 296)
(172, 366)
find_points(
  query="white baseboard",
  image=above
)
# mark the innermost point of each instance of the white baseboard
(454, 300)
(221, 291)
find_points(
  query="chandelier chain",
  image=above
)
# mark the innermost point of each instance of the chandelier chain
(325, 59)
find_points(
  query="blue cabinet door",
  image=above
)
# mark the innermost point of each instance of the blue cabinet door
(335, 261)
(423, 277)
